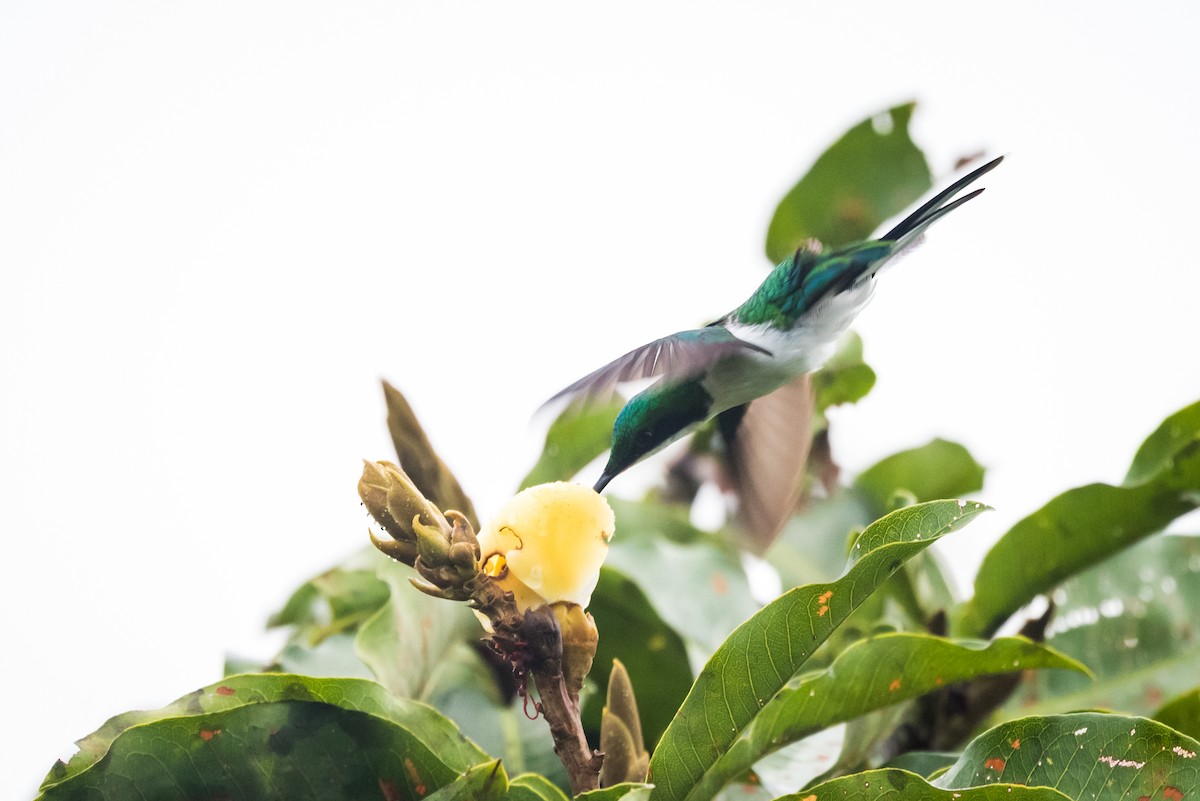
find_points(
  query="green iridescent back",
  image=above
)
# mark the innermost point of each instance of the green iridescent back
(801, 280)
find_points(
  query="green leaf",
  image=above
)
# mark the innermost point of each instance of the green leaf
(580, 434)
(924, 763)
(1156, 453)
(872, 173)
(653, 654)
(275, 736)
(532, 787)
(693, 579)
(333, 656)
(1182, 713)
(409, 642)
(299, 609)
(486, 782)
(891, 784)
(1088, 755)
(938, 469)
(814, 543)
(629, 791)
(862, 739)
(845, 378)
(335, 601)
(766, 651)
(502, 728)
(1133, 619)
(424, 648)
(871, 674)
(1087, 524)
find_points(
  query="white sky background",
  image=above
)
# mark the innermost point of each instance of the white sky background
(222, 223)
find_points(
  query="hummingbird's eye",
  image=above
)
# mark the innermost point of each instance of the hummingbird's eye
(645, 438)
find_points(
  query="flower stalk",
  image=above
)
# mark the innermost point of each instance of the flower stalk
(528, 575)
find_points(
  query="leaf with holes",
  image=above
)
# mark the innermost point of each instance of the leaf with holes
(1087, 756)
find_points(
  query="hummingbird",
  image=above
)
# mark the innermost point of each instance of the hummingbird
(753, 363)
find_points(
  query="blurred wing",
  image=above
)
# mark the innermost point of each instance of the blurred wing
(681, 355)
(768, 441)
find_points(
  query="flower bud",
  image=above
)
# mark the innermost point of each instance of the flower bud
(395, 503)
(547, 544)
(579, 641)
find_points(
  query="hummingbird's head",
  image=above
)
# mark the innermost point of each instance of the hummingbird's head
(652, 420)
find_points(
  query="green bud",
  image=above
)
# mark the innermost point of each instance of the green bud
(579, 641)
(373, 489)
(625, 755)
(427, 588)
(405, 552)
(432, 543)
(393, 500)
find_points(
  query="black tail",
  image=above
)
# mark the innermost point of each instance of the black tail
(937, 206)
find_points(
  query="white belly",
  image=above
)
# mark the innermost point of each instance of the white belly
(805, 348)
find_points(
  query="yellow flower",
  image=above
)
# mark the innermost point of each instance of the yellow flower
(547, 544)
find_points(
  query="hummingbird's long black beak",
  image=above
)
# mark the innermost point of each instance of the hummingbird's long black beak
(605, 477)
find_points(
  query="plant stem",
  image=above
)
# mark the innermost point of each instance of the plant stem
(561, 708)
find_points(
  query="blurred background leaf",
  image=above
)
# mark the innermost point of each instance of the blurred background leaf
(1132, 620)
(872, 173)
(1087, 524)
(579, 434)
(653, 654)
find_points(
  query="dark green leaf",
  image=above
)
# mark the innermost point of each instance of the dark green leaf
(870, 675)
(872, 173)
(1087, 524)
(1182, 713)
(767, 650)
(653, 654)
(890, 784)
(580, 434)
(274, 736)
(1087, 756)
(939, 469)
